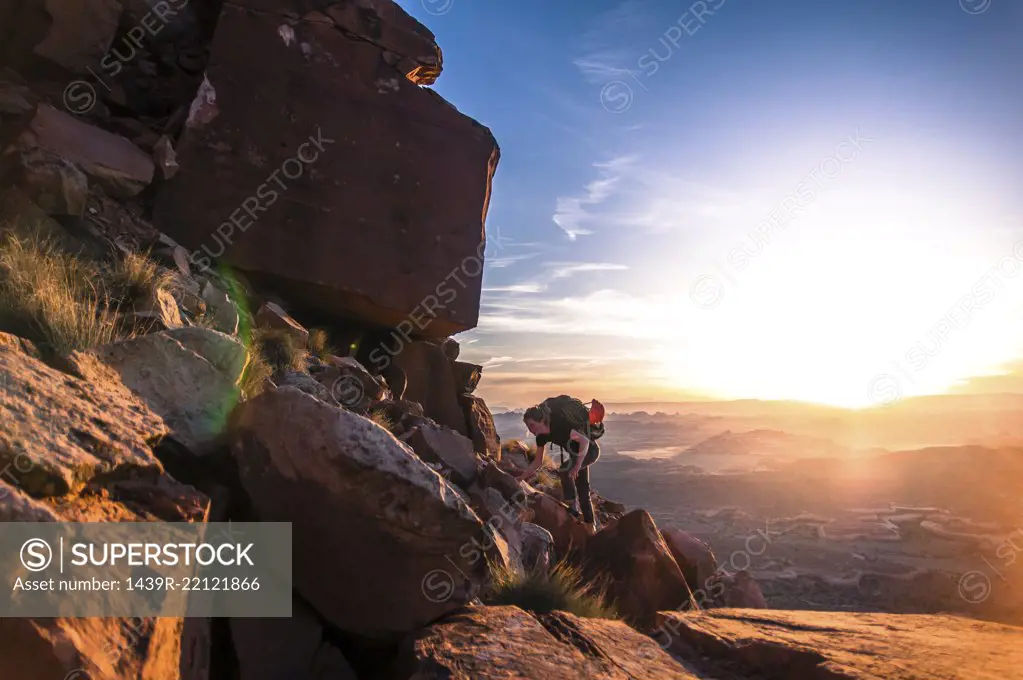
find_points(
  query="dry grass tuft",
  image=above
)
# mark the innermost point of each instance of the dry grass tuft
(135, 277)
(540, 591)
(58, 300)
(319, 344)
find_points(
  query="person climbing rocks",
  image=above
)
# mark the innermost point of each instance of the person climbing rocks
(566, 422)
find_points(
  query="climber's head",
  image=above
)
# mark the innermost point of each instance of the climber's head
(538, 419)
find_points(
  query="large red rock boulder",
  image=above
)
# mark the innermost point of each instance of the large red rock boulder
(431, 383)
(492, 643)
(694, 557)
(636, 565)
(267, 185)
(380, 539)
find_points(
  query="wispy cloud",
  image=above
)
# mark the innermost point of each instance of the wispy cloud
(573, 211)
(563, 270)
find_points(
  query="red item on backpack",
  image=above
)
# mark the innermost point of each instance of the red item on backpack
(596, 412)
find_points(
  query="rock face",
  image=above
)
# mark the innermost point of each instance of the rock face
(431, 383)
(467, 376)
(488, 643)
(378, 535)
(402, 230)
(269, 649)
(569, 533)
(844, 646)
(693, 556)
(537, 548)
(114, 163)
(189, 377)
(58, 432)
(481, 426)
(436, 444)
(164, 648)
(81, 32)
(643, 577)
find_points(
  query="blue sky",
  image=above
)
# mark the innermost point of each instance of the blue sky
(744, 198)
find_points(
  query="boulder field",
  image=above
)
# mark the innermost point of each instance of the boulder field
(292, 224)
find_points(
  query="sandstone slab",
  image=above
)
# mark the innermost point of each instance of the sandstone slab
(491, 643)
(57, 432)
(117, 165)
(436, 444)
(189, 377)
(379, 537)
(813, 645)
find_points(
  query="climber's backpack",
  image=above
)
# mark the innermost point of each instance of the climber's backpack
(575, 413)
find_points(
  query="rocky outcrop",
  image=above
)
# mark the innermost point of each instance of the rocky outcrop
(436, 444)
(480, 423)
(641, 575)
(431, 383)
(538, 553)
(189, 377)
(570, 534)
(397, 242)
(843, 646)
(350, 383)
(378, 535)
(467, 376)
(58, 432)
(166, 648)
(111, 161)
(693, 556)
(488, 643)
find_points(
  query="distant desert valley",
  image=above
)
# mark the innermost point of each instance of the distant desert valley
(914, 508)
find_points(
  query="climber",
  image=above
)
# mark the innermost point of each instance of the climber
(567, 423)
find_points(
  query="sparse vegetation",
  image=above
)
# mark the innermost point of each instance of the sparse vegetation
(257, 372)
(279, 350)
(381, 418)
(319, 344)
(540, 591)
(60, 301)
(136, 277)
